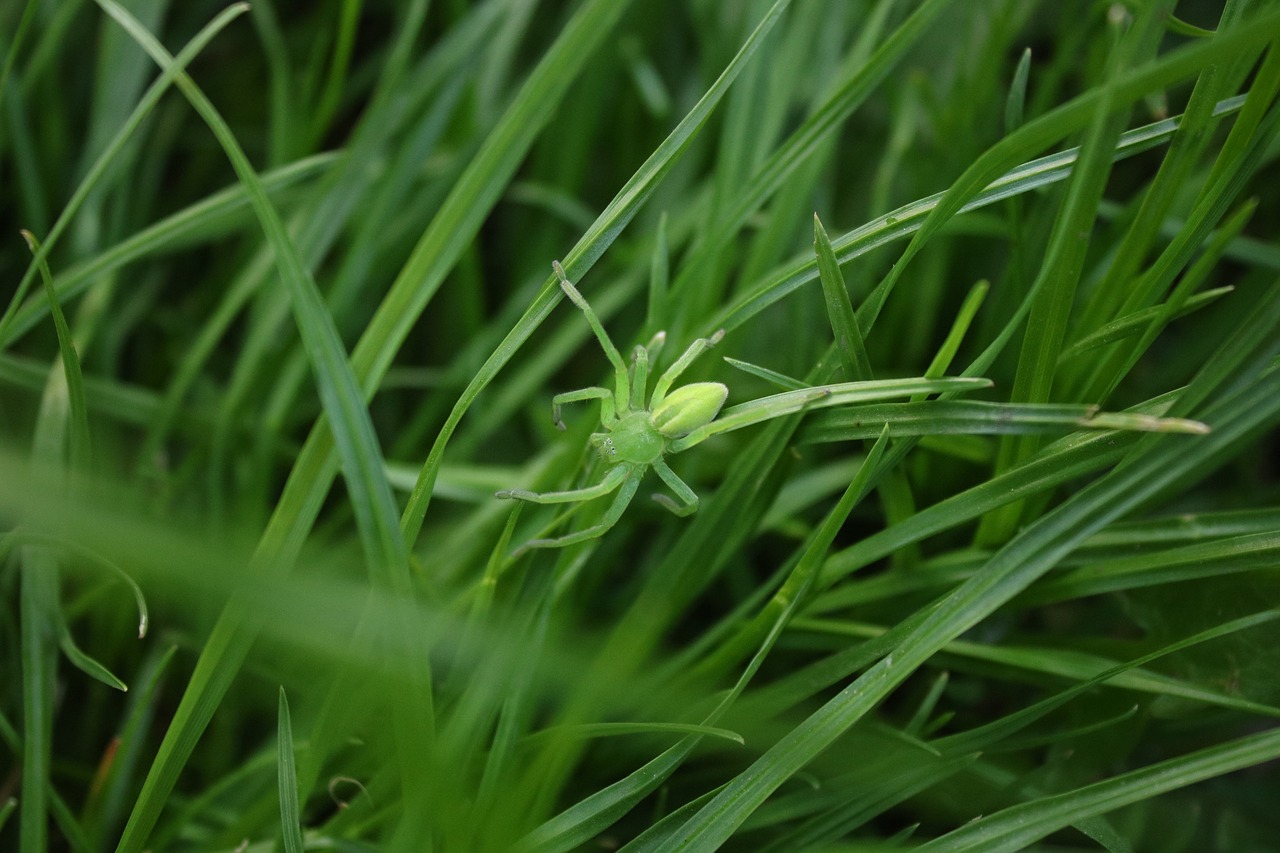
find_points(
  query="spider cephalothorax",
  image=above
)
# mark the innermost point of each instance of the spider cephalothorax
(636, 436)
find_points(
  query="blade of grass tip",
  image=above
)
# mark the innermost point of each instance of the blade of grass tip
(1019, 826)
(1132, 324)
(593, 243)
(78, 450)
(773, 377)
(959, 328)
(1011, 570)
(853, 350)
(659, 279)
(1017, 98)
(86, 663)
(966, 417)
(287, 779)
(599, 730)
(1180, 27)
(109, 153)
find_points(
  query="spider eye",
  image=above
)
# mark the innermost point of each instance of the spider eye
(689, 407)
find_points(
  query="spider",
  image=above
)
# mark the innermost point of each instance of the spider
(635, 437)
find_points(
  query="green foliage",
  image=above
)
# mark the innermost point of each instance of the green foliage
(985, 536)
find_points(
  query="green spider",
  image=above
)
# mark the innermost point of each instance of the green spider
(636, 437)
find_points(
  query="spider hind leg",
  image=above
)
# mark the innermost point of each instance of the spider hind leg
(630, 483)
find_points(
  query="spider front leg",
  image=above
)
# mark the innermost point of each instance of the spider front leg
(604, 395)
(695, 349)
(621, 379)
(688, 497)
(630, 482)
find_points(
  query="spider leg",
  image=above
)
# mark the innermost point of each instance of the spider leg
(611, 481)
(688, 498)
(615, 358)
(695, 349)
(631, 482)
(604, 395)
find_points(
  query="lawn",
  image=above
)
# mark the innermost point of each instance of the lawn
(761, 425)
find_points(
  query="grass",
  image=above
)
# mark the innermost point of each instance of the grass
(279, 319)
